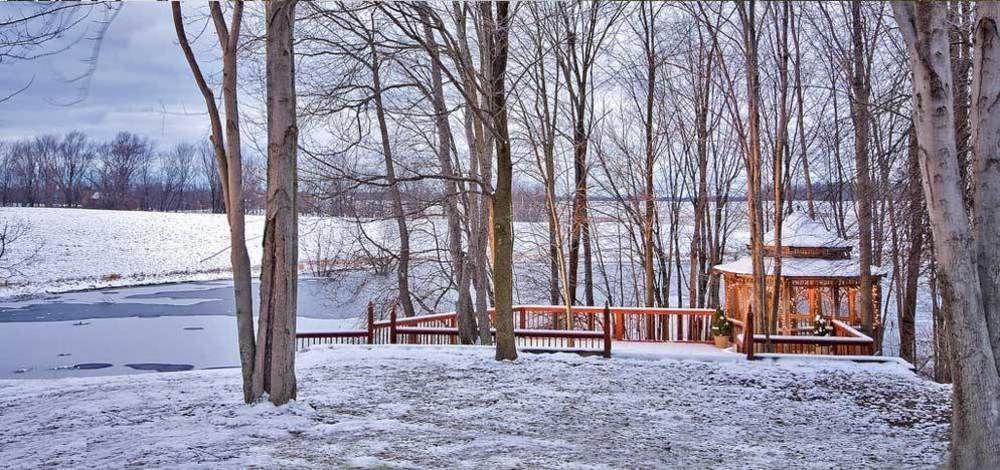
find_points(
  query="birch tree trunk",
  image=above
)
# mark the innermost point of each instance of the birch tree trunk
(274, 370)
(975, 427)
(985, 118)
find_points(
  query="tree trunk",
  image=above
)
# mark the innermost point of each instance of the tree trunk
(861, 117)
(961, 62)
(229, 163)
(942, 341)
(985, 119)
(274, 370)
(778, 181)
(753, 164)
(467, 331)
(800, 124)
(975, 426)
(503, 226)
(915, 234)
(398, 212)
(479, 165)
(650, 199)
(697, 253)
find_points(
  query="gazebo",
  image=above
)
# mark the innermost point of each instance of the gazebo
(819, 277)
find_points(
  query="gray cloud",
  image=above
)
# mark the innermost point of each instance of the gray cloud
(141, 84)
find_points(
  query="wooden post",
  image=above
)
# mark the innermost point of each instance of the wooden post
(453, 323)
(607, 330)
(836, 301)
(371, 323)
(852, 306)
(748, 333)
(392, 324)
(522, 322)
(619, 325)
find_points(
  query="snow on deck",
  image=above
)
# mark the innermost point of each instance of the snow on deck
(455, 407)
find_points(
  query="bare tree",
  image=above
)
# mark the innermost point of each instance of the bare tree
(494, 31)
(176, 169)
(274, 367)
(585, 26)
(210, 173)
(228, 161)
(73, 162)
(118, 166)
(19, 248)
(966, 255)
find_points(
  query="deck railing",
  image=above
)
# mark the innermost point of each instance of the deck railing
(580, 329)
(846, 341)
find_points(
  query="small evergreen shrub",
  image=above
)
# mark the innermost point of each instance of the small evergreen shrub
(720, 324)
(822, 327)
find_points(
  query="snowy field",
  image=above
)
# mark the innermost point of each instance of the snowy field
(85, 249)
(415, 407)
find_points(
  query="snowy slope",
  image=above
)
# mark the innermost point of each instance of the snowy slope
(85, 248)
(455, 407)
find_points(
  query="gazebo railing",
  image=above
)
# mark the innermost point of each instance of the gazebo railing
(846, 341)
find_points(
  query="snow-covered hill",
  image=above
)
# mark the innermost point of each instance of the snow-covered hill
(84, 248)
(456, 407)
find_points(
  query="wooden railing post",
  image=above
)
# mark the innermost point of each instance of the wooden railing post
(748, 338)
(371, 322)
(607, 330)
(392, 324)
(619, 325)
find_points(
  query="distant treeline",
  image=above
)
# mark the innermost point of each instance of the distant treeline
(127, 172)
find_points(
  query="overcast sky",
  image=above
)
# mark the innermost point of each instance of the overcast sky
(142, 85)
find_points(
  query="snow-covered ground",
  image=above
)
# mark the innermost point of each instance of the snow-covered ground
(85, 249)
(456, 407)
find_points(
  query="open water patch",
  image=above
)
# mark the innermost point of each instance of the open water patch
(160, 367)
(92, 366)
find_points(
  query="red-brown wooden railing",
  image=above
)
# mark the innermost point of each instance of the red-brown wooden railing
(846, 341)
(628, 323)
(582, 329)
(579, 329)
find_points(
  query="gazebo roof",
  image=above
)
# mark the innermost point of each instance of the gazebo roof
(801, 267)
(800, 231)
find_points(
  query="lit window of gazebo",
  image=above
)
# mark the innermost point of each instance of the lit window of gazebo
(819, 277)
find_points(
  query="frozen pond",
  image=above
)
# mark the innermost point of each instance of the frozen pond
(141, 329)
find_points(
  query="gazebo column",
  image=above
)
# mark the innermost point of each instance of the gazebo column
(815, 307)
(836, 300)
(877, 299)
(788, 310)
(852, 306)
